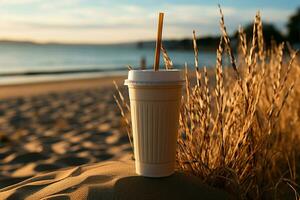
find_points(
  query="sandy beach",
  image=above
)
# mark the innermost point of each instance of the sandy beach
(64, 140)
(49, 126)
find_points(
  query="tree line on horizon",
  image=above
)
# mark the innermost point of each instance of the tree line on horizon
(270, 33)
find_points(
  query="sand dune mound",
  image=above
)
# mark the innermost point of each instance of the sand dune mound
(109, 180)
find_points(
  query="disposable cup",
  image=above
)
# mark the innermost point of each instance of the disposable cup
(155, 102)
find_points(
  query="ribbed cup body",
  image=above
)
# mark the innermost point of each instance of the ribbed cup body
(155, 118)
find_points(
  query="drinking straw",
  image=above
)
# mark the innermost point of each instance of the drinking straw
(158, 41)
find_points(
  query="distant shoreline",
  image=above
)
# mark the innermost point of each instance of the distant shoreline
(55, 72)
(37, 88)
(52, 78)
(207, 43)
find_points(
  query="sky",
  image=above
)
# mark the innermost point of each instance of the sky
(112, 21)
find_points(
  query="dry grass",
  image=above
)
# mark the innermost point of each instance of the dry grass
(241, 133)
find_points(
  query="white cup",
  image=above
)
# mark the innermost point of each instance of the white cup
(155, 102)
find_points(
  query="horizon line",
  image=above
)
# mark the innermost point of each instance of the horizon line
(30, 41)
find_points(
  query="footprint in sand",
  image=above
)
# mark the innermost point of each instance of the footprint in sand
(46, 167)
(72, 161)
(28, 157)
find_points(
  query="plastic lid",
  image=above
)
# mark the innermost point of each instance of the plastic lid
(145, 77)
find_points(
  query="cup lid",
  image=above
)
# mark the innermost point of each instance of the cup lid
(151, 77)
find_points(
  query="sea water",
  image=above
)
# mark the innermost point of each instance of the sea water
(30, 62)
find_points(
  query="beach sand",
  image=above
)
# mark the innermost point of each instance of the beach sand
(109, 180)
(49, 126)
(58, 141)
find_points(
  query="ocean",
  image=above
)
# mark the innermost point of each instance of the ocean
(29, 62)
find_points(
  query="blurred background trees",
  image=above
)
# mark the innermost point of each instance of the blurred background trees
(293, 27)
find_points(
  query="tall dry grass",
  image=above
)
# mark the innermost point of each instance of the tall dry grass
(239, 129)
(241, 134)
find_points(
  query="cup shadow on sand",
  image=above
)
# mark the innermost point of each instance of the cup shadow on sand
(177, 186)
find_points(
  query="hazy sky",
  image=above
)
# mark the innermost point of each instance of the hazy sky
(112, 21)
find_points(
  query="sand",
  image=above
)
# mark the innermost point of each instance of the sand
(64, 140)
(49, 126)
(109, 180)
(23, 90)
